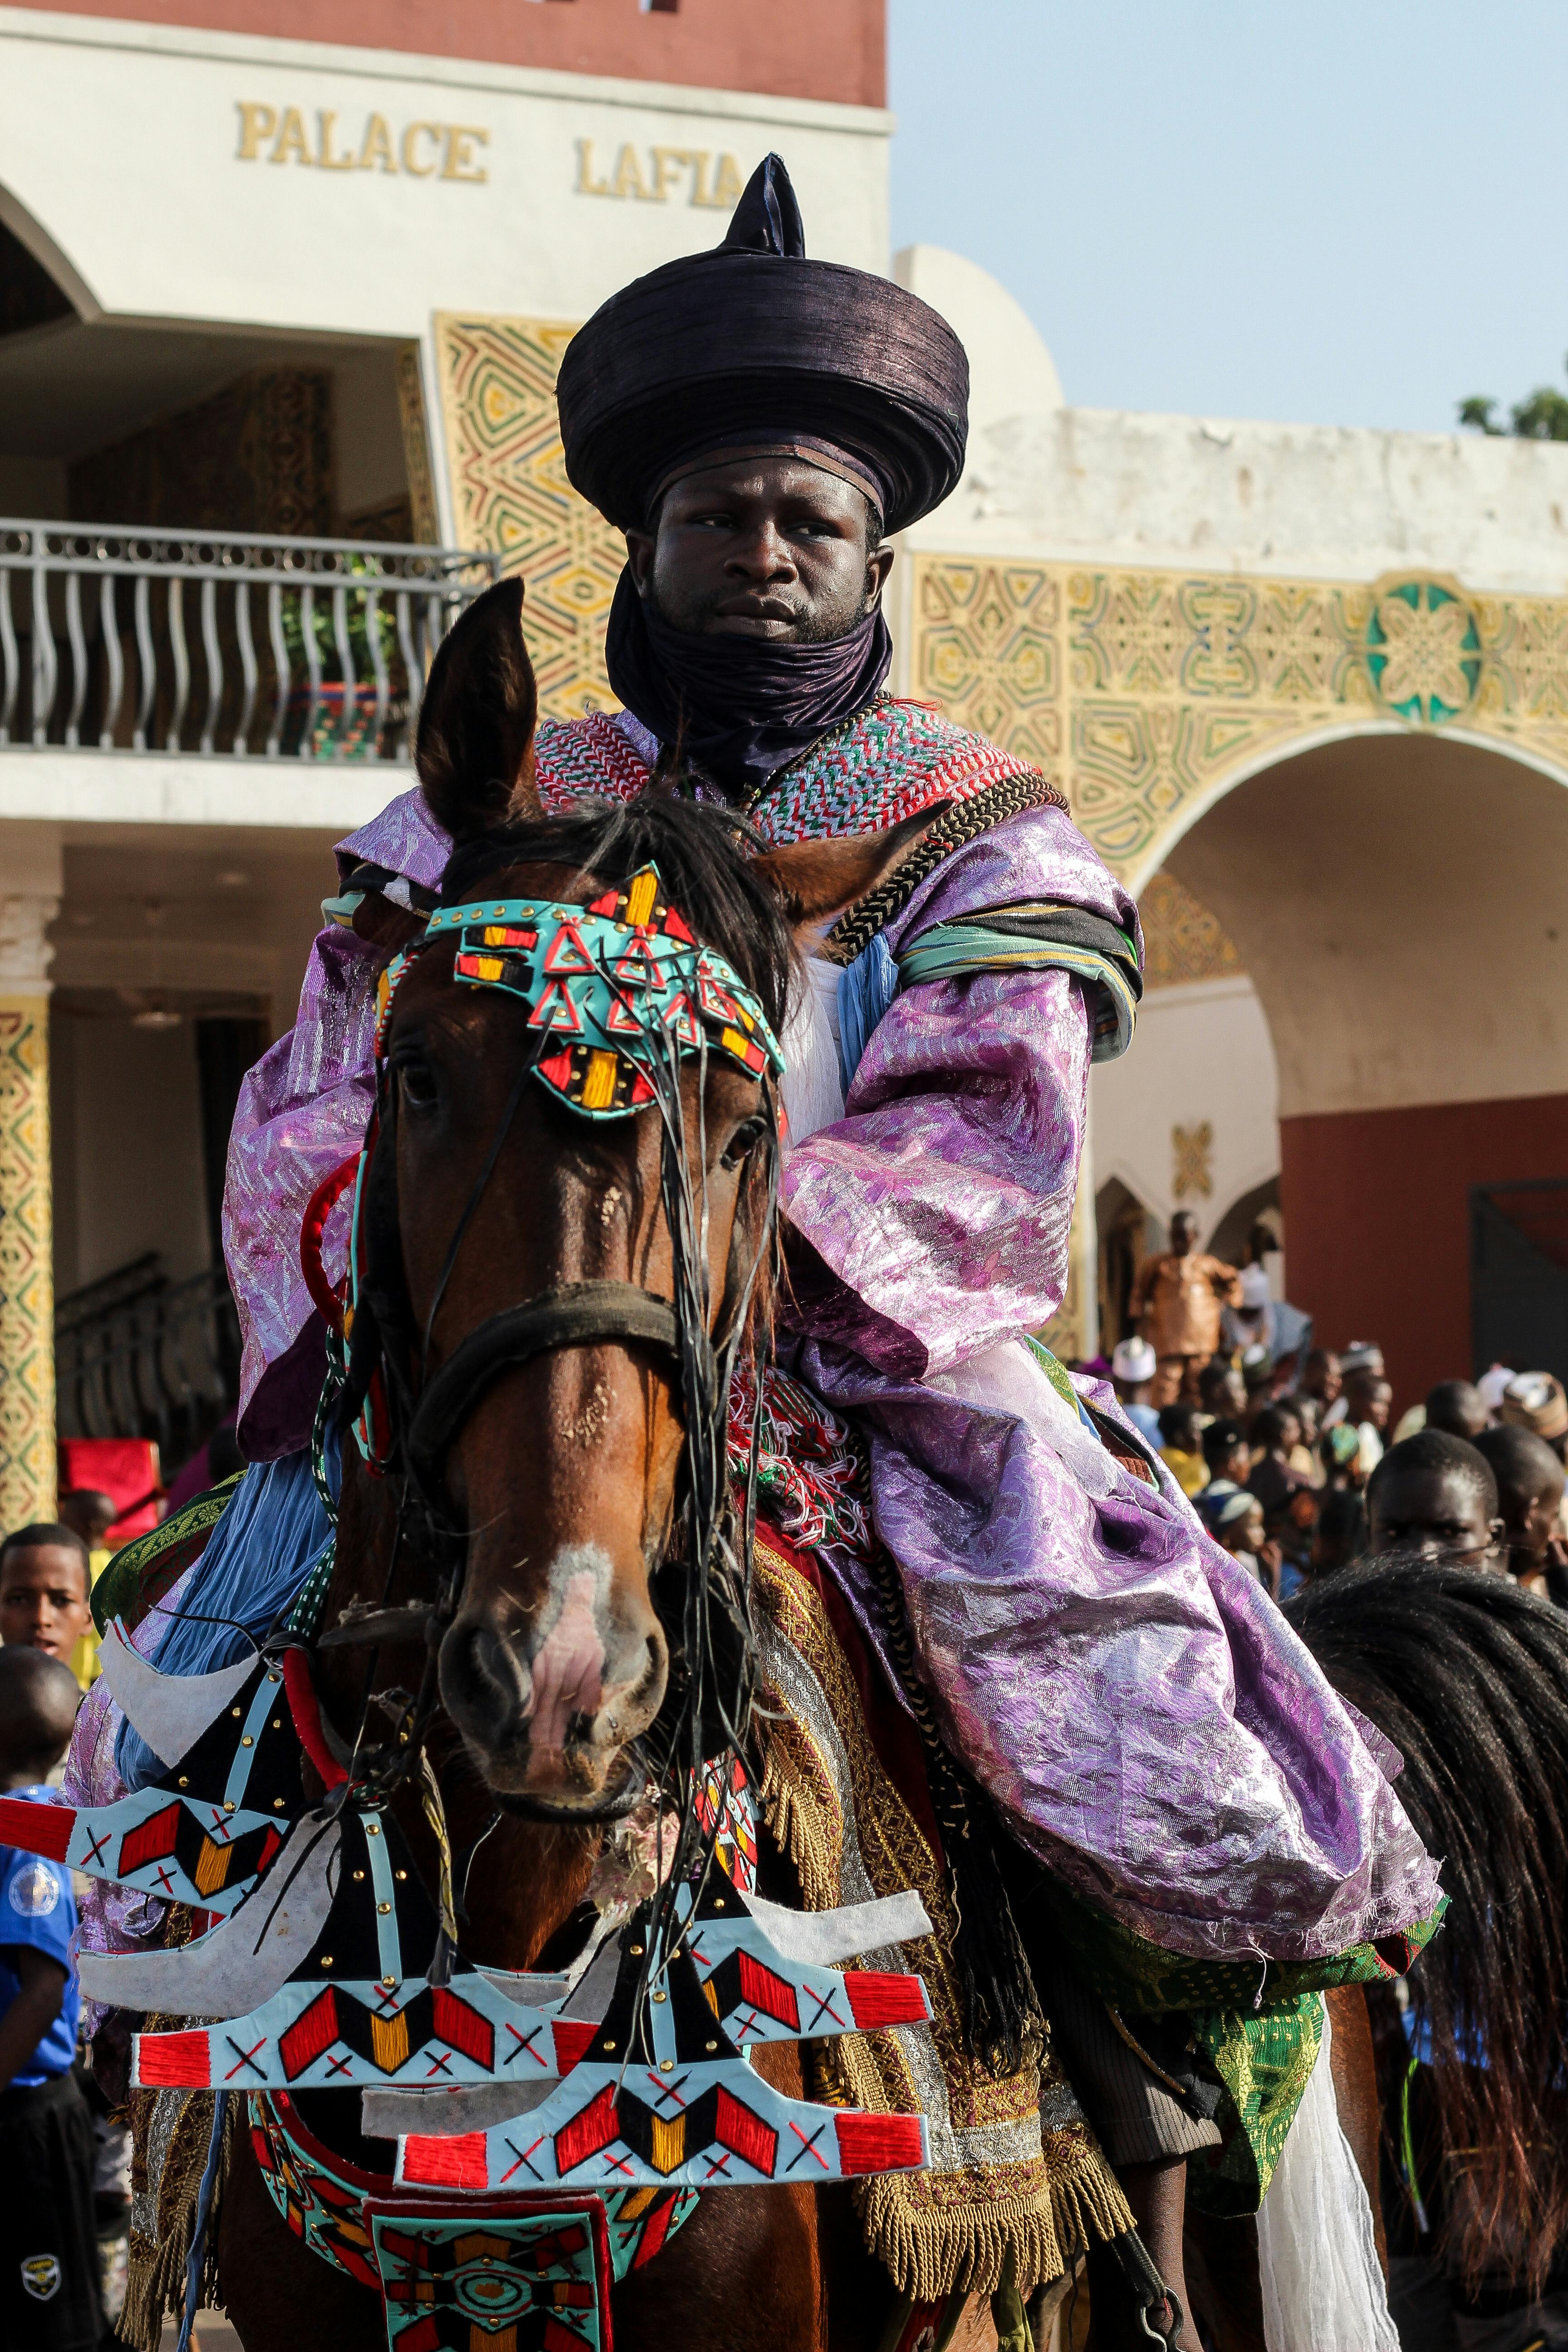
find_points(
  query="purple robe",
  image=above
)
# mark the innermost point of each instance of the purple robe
(1130, 1698)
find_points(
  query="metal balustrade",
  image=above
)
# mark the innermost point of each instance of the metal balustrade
(221, 644)
(139, 1356)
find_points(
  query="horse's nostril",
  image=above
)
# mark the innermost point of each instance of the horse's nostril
(482, 1683)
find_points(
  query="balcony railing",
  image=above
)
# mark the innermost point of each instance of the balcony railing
(139, 1356)
(218, 643)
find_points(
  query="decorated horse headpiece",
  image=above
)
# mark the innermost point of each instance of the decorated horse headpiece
(613, 984)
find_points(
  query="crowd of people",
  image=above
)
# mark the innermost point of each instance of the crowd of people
(1288, 1458)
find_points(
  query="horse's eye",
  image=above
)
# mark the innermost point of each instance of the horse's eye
(417, 1081)
(744, 1142)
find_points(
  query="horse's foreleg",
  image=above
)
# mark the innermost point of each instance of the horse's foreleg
(741, 2275)
(1354, 2067)
(277, 2294)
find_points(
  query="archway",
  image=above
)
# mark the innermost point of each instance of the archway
(1127, 1233)
(1401, 904)
(1260, 1206)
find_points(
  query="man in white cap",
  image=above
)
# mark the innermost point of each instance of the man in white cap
(1133, 1364)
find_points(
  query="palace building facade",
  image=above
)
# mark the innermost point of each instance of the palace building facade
(283, 293)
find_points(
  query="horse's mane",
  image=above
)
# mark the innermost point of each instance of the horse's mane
(1467, 1674)
(701, 855)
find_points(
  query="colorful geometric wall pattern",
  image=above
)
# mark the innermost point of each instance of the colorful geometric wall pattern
(1192, 1161)
(510, 494)
(416, 426)
(1182, 940)
(986, 649)
(1158, 687)
(26, 1274)
(1142, 692)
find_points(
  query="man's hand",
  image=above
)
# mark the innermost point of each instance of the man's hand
(37, 2004)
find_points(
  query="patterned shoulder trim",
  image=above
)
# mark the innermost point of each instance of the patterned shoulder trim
(963, 822)
(142, 1571)
(888, 762)
(585, 755)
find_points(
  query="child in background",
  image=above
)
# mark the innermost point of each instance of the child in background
(44, 1580)
(1226, 1453)
(1234, 1519)
(1181, 1437)
(1436, 1496)
(49, 2299)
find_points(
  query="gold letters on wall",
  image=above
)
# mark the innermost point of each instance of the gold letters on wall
(417, 151)
(327, 140)
(654, 175)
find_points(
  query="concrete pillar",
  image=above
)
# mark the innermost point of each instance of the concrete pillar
(30, 886)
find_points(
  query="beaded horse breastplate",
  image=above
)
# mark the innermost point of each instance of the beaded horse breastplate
(551, 2131)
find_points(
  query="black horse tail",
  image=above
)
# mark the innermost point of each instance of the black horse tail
(1467, 1674)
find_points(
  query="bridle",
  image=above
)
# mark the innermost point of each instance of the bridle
(620, 993)
(569, 1316)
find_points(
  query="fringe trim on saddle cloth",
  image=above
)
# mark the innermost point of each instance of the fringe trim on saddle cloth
(1018, 2183)
(170, 2135)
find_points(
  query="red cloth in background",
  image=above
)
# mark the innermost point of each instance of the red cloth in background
(123, 1468)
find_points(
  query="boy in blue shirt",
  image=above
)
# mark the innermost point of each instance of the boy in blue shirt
(48, 2254)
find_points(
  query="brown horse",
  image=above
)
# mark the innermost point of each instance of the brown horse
(547, 1503)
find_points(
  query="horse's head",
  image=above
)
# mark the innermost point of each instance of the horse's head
(558, 1463)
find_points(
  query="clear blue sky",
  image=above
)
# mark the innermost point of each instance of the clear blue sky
(1305, 210)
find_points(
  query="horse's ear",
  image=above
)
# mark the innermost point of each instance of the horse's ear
(817, 879)
(474, 753)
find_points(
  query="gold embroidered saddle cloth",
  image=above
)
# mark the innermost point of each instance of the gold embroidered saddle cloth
(1017, 2181)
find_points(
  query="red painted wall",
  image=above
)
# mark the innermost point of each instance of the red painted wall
(786, 49)
(1376, 1208)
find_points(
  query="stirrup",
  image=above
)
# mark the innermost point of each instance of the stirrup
(1149, 2289)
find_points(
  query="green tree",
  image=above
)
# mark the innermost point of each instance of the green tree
(1543, 416)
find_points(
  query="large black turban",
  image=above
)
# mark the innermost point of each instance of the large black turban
(753, 345)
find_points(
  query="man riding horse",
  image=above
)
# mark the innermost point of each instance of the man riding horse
(1196, 1824)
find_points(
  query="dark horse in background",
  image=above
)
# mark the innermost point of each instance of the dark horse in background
(1465, 2153)
(563, 1496)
